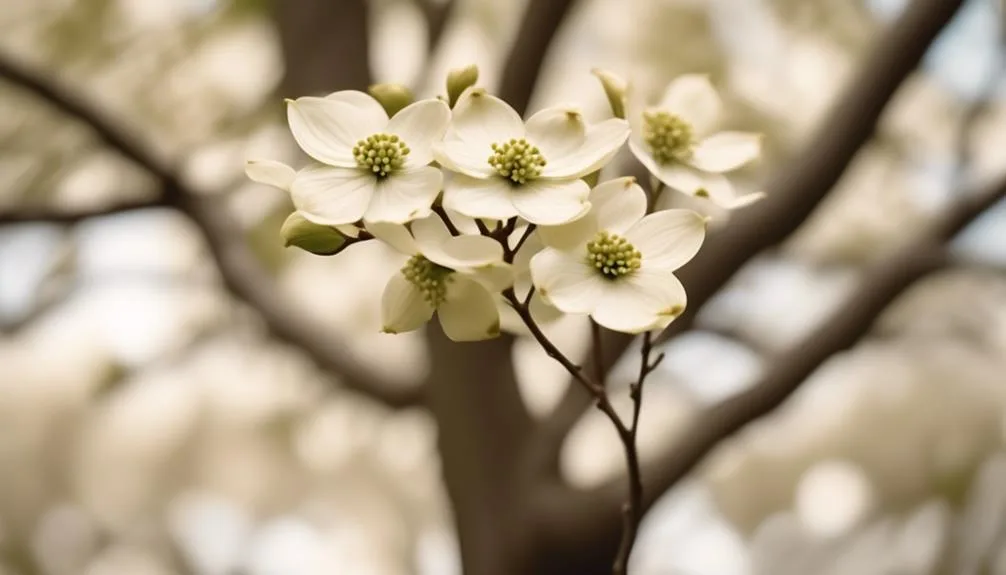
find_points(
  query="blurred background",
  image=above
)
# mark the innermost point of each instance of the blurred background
(154, 421)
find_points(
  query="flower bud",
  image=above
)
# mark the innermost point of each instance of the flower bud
(317, 239)
(459, 80)
(614, 88)
(393, 97)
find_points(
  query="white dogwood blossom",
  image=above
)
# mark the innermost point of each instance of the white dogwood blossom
(452, 276)
(506, 168)
(616, 263)
(677, 142)
(372, 168)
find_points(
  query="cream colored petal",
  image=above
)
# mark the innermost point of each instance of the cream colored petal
(395, 235)
(646, 300)
(640, 151)
(570, 236)
(495, 276)
(463, 158)
(480, 198)
(332, 196)
(602, 142)
(557, 131)
(551, 203)
(566, 281)
(348, 230)
(480, 119)
(466, 252)
(618, 204)
(668, 239)
(403, 307)
(469, 313)
(405, 196)
(693, 98)
(368, 108)
(270, 173)
(327, 130)
(726, 151)
(522, 264)
(715, 187)
(420, 125)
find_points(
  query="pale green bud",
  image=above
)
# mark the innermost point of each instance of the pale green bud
(393, 97)
(459, 80)
(317, 239)
(615, 89)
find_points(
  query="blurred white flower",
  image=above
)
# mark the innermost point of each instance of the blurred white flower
(617, 265)
(453, 276)
(505, 168)
(373, 168)
(675, 141)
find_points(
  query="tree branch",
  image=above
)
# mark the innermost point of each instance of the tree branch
(541, 21)
(32, 216)
(581, 512)
(241, 273)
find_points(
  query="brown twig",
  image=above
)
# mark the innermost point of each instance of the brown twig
(35, 215)
(242, 274)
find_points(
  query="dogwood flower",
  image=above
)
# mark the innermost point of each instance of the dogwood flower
(372, 168)
(506, 168)
(675, 142)
(452, 276)
(616, 263)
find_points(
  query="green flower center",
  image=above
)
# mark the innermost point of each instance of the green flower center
(668, 136)
(381, 154)
(430, 278)
(612, 255)
(517, 160)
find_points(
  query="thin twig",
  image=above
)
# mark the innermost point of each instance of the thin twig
(597, 353)
(35, 215)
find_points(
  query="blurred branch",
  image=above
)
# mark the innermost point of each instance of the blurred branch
(58, 217)
(541, 21)
(583, 514)
(242, 274)
(437, 13)
(329, 43)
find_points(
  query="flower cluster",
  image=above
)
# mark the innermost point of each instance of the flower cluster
(490, 211)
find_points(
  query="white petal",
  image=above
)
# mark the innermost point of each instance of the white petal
(522, 264)
(479, 198)
(551, 203)
(566, 281)
(469, 312)
(463, 158)
(715, 187)
(726, 151)
(541, 311)
(332, 196)
(481, 120)
(395, 235)
(366, 106)
(403, 307)
(327, 130)
(618, 204)
(668, 239)
(557, 131)
(570, 236)
(642, 153)
(465, 252)
(270, 173)
(495, 277)
(693, 98)
(348, 230)
(646, 300)
(601, 144)
(405, 196)
(430, 232)
(421, 124)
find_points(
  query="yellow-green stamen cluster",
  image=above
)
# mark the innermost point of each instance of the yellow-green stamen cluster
(517, 160)
(429, 278)
(381, 154)
(668, 136)
(612, 255)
